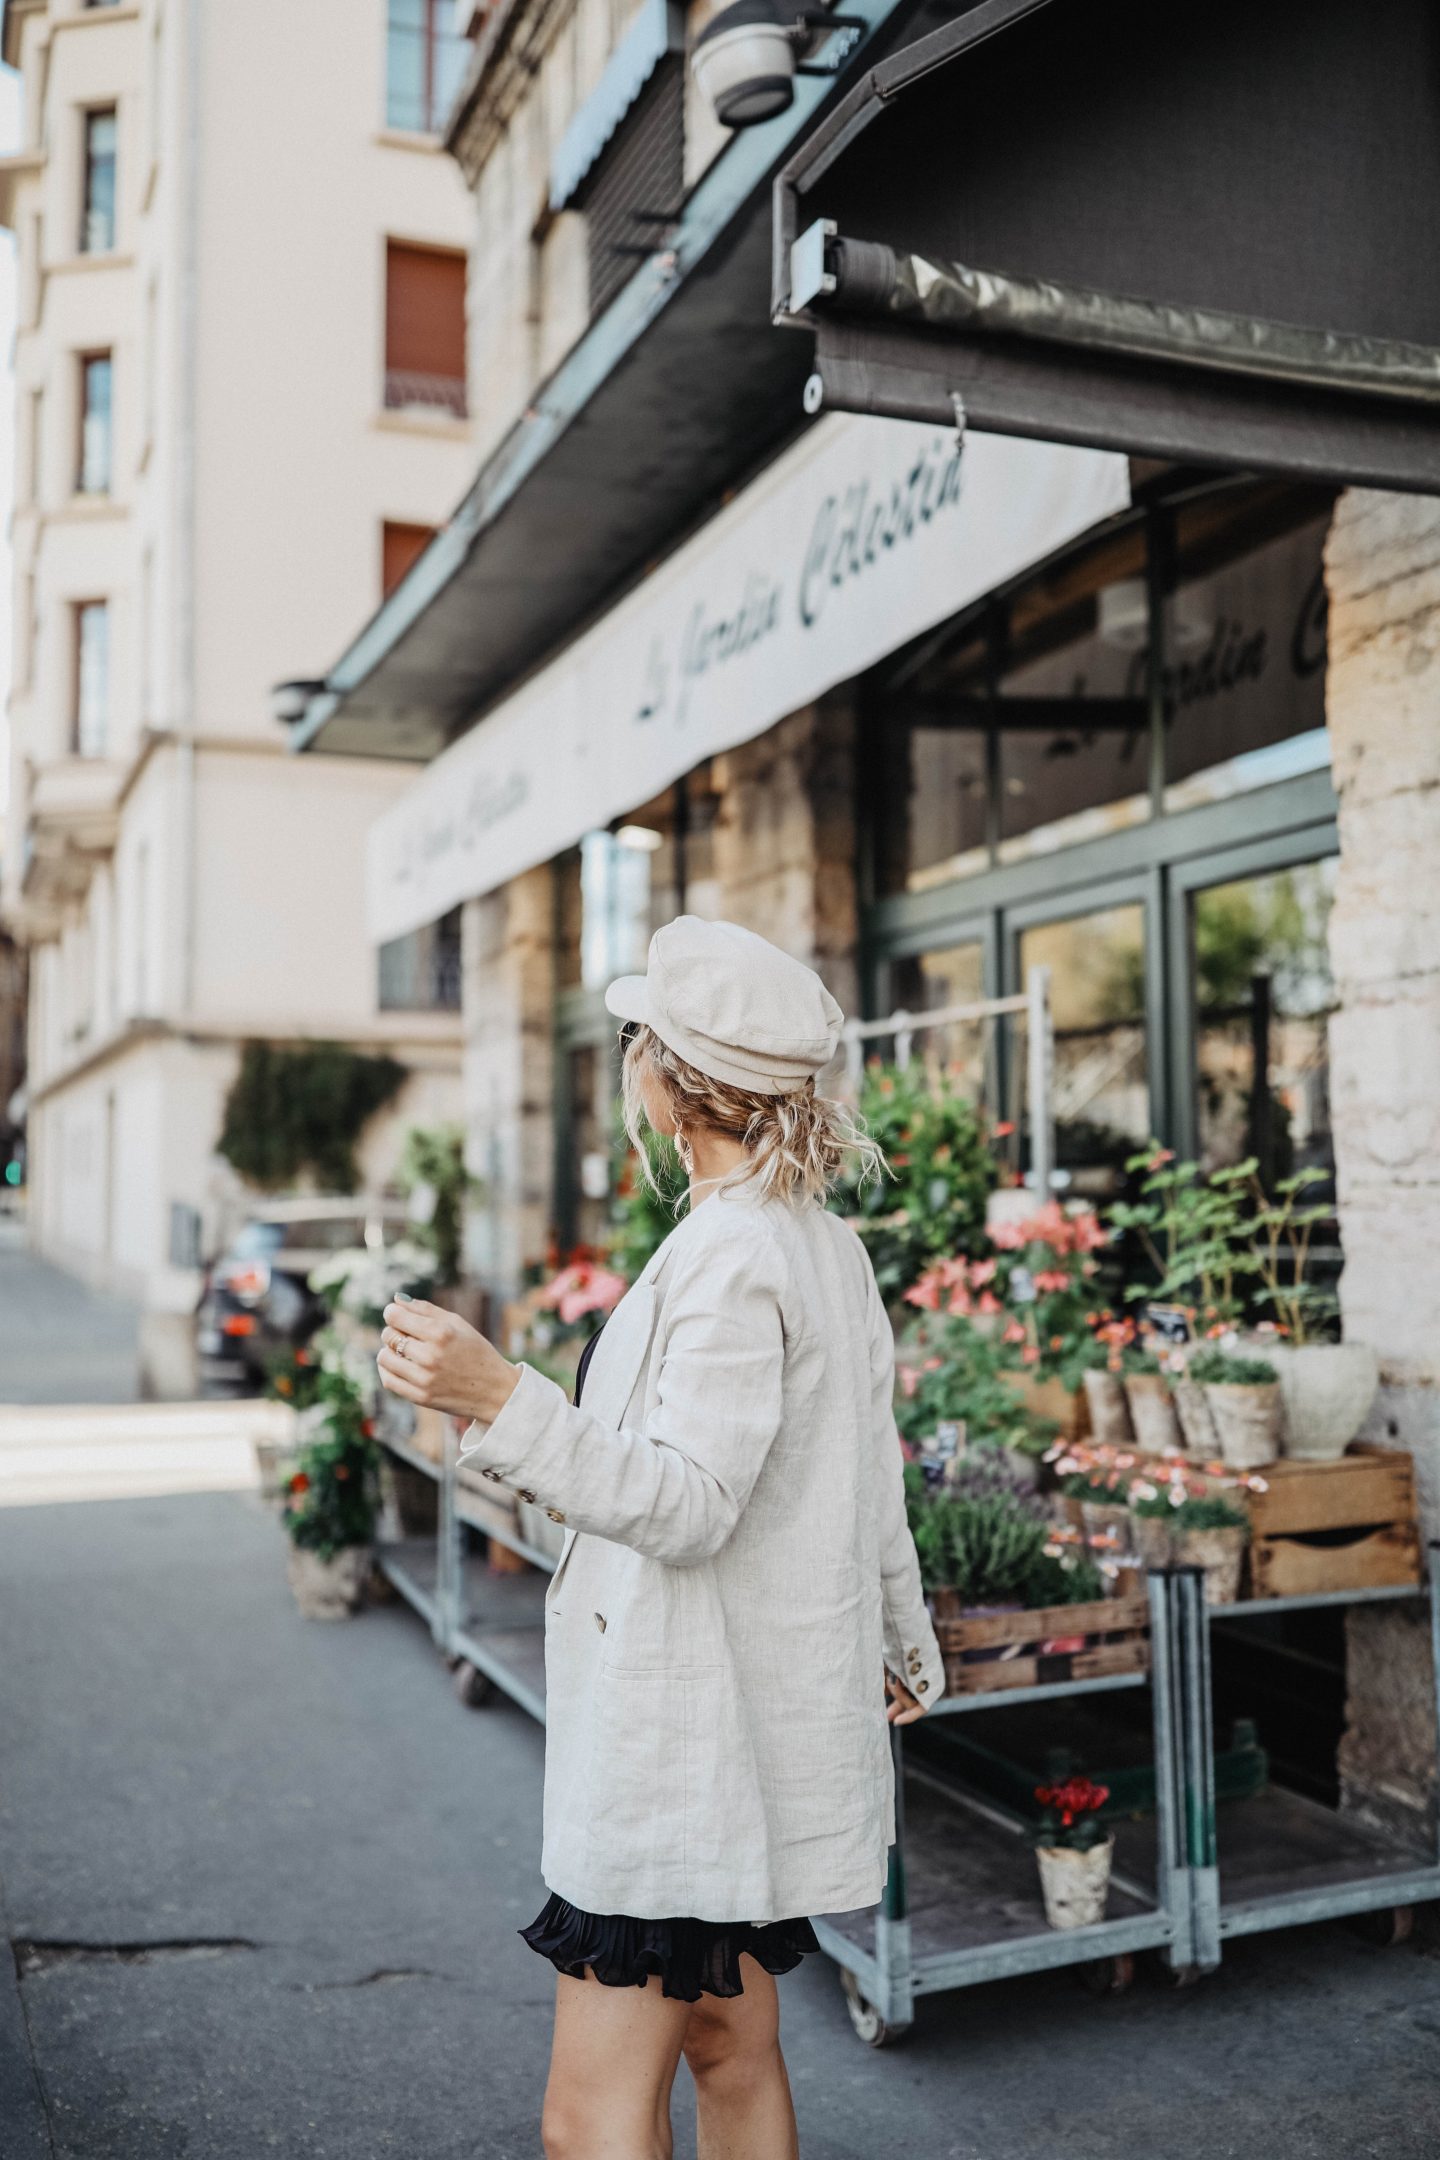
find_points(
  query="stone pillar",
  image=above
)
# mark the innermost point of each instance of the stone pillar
(1383, 710)
(785, 841)
(508, 945)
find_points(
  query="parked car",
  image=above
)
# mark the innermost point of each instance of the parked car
(257, 1301)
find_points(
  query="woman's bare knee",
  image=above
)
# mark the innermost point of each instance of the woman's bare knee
(733, 2039)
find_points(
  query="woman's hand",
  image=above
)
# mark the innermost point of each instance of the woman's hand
(438, 1360)
(902, 1708)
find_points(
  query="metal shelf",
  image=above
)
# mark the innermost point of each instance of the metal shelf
(502, 1536)
(412, 1456)
(412, 1566)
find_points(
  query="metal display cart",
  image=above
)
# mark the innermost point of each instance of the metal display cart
(1280, 1859)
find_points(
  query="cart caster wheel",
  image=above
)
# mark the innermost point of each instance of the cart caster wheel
(474, 1688)
(1179, 1976)
(866, 2019)
(1109, 1976)
(1393, 1924)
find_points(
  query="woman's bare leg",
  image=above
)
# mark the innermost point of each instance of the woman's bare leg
(612, 2065)
(732, 2045)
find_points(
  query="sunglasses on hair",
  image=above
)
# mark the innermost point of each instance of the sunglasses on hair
(627, 1035)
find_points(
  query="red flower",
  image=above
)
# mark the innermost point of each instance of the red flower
(1003, 1132)
(299, 1483)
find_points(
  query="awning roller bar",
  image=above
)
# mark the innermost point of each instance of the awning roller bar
(831, 272)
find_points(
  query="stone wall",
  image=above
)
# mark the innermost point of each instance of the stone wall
(509, 998)
(1383, 709)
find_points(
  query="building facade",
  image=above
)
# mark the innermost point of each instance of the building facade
(241, 410)
(925, 715)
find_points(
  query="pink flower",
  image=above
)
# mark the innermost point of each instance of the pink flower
(1052, 1279)
(983, 1271)
(909, 1381)
(583, 1289)
(1030, 1355)
(1014, 1332)
(988, 1303)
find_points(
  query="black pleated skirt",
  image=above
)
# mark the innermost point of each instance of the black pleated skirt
(690, 1958)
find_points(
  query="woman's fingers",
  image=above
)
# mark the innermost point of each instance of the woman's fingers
(903, 1708)
(401, 1376)
(410, 1316)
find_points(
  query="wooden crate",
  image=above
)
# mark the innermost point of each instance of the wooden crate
(1343, 1525)
(986, 1653)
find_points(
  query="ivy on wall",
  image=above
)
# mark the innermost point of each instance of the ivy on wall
(298, 1111)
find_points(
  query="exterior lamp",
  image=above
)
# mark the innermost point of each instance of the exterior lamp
(746, 60)
(289, 701)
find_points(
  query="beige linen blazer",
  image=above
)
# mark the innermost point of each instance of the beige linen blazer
(737, 1567)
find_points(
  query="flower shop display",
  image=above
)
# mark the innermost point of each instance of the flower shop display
(1074, 1852)
(1191, 1229)
(1349, 1524)
(330, 1502)
(1327, 1387)
(1243, 1395)
(1210, 1532)
(954, 1389)
(942, 1169)
(1104, 1383)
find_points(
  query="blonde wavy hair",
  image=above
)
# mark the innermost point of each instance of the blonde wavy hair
(797, 1143)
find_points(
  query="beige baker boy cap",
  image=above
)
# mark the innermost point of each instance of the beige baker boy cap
(732, 1005)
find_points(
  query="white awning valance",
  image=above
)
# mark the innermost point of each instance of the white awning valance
(862, 535)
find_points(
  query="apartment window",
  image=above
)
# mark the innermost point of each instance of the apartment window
(97, 222)
(93, 473)
(400, 546)
(424, 62)
(92, 678)
(421, 972)
(424, 329)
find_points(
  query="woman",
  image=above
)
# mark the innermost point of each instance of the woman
(737, 1574)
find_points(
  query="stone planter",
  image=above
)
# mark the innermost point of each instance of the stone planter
(1327, 1390)
(329, 1589)
(1221, 1554)
(1247, 1423)
(1109, 1410)
(1075, 1885)
(1152, 1539)
(1197, 1427)
(1152, 1413)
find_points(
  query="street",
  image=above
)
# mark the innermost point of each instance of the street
(59, 1341)
(261, 1881)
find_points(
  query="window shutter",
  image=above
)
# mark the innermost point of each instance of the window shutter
(637, 186)
(424, 327)
(401, 546)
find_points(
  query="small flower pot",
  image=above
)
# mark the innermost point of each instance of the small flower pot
(1197, 1426)
(1152, 1539)
(1152, 1413)
(1247, 1423)
(1103, 1519)
(331, 1589)
(1109, 1410)
(1327, 1389)
(1221, 1554)
(1075, 1885)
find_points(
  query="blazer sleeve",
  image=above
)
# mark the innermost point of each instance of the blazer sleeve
(911, 1651)
(675, 1487)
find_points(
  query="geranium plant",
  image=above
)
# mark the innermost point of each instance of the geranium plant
(330, 1501)
(942, 1171)
(1071, 1814)
(951, 1370)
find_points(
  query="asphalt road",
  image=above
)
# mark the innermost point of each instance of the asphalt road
(59, 1342)
(262, 1881)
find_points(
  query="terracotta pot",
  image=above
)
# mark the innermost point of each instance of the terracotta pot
(1109, 1410)
(329, 1589)
(1221, 1553)
(1152, 1413)
(1247, 1423)
(1197, 1427)
(1152, 1539)
(1075, 1885)
(1327, 1390)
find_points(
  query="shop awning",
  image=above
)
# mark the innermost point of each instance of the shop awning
(1206, 233)
(679, 391)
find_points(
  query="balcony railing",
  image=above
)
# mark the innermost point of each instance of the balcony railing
(407, 390)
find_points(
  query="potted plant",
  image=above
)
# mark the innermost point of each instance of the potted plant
(1102, 1376)
(985, 1550)
(1152, 1525)
(1152, 1407)
(1101, 1492)
(1326, 1387)
(951, 1371)
(1244, 1398)
(1074, 1851)
(330, 1503)
(1211, 1532)
(942, 1170)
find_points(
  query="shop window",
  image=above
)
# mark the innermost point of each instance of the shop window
(424, 329)
(585, 1100)
(931, 982)
(1244, 676)
(90, 719)
(421, 972)
(1101, 1100)
(424, 62)
(97, 219)
(94, 461)
(1263, 997)
(932, 790)
(401, 546)
(1074, 746)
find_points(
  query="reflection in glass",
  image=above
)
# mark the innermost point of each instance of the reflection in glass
(588, 1086)
(1097, 997)
(1263, 995)
(929, 982)
(1074, 756)
(932, 822)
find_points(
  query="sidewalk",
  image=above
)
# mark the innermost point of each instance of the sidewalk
(263, 1879)
(59, 1341)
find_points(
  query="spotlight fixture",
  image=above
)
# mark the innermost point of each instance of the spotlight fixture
(746, 60)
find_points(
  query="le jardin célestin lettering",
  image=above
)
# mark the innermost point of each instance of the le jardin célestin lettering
(853, 530)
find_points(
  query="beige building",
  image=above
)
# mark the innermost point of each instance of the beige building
(241, 410)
